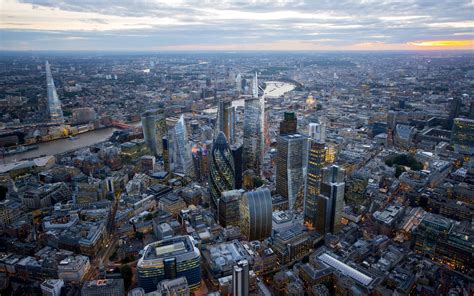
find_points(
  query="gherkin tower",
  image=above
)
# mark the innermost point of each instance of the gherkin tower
(221, 170)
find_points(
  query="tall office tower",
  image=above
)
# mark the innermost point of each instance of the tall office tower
(55, 112)
(462, 136)
(454, 111)
(256, 214)
(226, 120)
(237, 151)
(181, 160)
(317, 131)
(229, 211)
(289, 124)
(253, 129)
(221, 170)
(166, 154)
(154, 129)
(238, 82)
(330, 202)
(169, 259)
(292, 161)
(240, 279)
(316, 163)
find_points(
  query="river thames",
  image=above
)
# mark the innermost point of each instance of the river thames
(64, 145)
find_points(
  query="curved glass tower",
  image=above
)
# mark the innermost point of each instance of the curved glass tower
(256, 214)
(221, 170)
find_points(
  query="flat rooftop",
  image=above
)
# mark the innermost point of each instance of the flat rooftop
(346, 269)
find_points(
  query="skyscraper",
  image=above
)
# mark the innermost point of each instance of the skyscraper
(221, 170)
(331, 200)
(237, 155)
(454, 111)
(226, 120)
(462, 136)
(316, 162)
(181, 159)
(289, 124)
(240, 279)
(256, 214)
(55, 112)
(292, 161)
(253, 129)
(154, 129)
(317, 131)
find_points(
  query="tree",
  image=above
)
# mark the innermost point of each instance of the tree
(127, 275)
(399, 170)
(139, 235)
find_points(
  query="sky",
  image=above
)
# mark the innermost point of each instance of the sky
(236, 25)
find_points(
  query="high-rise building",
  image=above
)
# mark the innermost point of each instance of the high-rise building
(226, 120)
(289, 124)
(316, 163)
(254, 109)
(221, 170)
(169, 259)
(154, 129)
(462, 136)
(229, 208)
(180, 154)
(237, 151)
(330, 202)
(291, 169)
(240, 279)
(256, 214)
(55, 112)
(454, 111)
(317, 131)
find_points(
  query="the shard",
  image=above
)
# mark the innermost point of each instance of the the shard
(55, 113)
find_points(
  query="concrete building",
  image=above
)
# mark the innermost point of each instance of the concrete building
(105, 287)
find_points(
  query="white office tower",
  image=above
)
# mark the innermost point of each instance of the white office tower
(240, 279)
(317, 131)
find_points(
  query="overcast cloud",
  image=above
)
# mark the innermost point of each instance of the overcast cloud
(236, 25)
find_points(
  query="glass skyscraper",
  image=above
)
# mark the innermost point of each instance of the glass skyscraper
(181, 158)
(154, 129)
(221, 170)
(316, 163)
(291, 169)
(330, 202)
(253, 130)
(54, 104)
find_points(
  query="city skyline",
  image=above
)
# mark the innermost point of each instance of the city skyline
(237, 26)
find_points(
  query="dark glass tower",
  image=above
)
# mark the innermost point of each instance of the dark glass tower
(221, 170)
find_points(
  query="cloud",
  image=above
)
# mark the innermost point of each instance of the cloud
(179, 24)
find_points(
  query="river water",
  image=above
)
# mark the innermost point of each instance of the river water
(64, 145)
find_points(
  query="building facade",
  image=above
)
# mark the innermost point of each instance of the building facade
(154, 129)
(316, 163)
(256, 214)
(292, 161)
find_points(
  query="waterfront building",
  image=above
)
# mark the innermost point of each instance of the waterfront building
(154, 129)
(169, 259)
(291, 169)
(256, 214)
(55, 111)
(221, 170)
